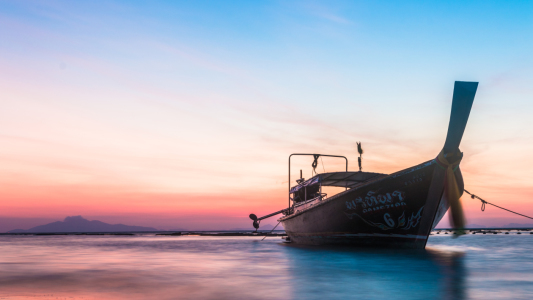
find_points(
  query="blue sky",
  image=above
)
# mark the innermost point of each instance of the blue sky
(149, 98)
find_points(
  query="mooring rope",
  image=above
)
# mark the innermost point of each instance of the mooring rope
(271, 230)
(315, 162)
(483, 202)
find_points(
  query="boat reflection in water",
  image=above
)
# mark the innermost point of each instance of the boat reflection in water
(343, 273)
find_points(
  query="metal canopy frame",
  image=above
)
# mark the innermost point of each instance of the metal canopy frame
(338, 179)
(308, 154)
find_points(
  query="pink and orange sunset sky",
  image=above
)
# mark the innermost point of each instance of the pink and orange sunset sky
(182, 114)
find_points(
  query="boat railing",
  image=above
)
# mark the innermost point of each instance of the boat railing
(306, 204)
(316, 156)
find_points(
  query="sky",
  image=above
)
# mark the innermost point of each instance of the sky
(182, 114)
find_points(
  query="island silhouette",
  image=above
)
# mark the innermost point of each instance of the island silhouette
(80, 224)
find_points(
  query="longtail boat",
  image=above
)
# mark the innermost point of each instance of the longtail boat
(385, 210)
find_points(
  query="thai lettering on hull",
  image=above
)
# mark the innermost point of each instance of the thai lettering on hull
(373, 202)
(389, 204)
(390, 223)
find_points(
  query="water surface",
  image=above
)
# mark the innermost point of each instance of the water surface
(194, 267)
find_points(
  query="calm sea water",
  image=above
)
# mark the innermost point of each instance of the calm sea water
(192, 267)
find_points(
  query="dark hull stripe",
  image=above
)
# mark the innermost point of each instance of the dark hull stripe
(347, 235)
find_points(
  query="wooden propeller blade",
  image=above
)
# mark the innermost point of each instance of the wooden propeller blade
(463, 97)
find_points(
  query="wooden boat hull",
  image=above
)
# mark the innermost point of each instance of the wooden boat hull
(398, 210)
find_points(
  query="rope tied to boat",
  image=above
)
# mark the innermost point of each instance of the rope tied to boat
(271, 231)
(483, 202)
(450, 162)
(315, 162)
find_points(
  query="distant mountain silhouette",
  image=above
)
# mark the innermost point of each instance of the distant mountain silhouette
(518, 225)
(79, 224)
(475, 226)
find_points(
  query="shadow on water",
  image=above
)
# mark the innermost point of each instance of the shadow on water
(345, 272)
